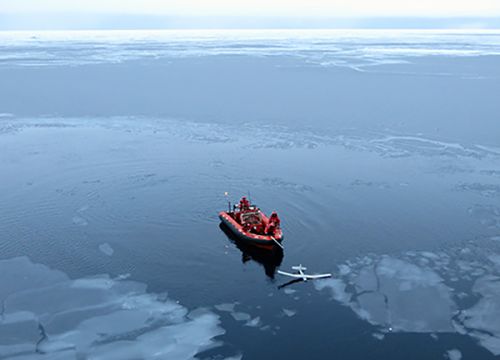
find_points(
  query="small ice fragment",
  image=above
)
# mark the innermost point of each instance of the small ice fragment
(430, 255)
(495, 259)
(344, 269)
(240, 316)
(122, 276)
(236, 357)
(289, 291)
(378, 336)
(255, 322)
(454, 354)
(227, 307)
(79, 221)
(289, 313)
(106, 249)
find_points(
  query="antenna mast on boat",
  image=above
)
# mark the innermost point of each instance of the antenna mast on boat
(226, 194)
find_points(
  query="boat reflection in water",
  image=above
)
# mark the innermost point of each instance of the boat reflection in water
(270, 257)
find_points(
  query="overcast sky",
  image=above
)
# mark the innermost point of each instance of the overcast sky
(15, 13)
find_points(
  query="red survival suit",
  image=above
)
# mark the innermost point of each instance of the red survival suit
(273, 224)
(244, 204)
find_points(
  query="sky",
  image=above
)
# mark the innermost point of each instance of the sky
(61, 13)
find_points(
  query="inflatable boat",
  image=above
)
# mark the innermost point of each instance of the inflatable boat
(249, 226)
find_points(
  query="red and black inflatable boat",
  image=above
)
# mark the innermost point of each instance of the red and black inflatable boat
(249, 225)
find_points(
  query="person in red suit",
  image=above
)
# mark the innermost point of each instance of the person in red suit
(244, 204)
(273, 223)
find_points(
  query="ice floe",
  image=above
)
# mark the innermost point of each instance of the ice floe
(487, 190)
(240, 316)
(482, 320)
(487, 215)
(47, 315)
(227, 307)
(454, 354)
(255, 322)
(106, 249)
(356, 49)
(79, 221)
(289, 312)
(412, 293)
(289, 291)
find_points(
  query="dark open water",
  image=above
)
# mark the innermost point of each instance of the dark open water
(380, 152)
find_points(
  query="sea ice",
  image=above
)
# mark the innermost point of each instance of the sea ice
(79, 221)
(255, 322)
(394, 293)
(337, 287)
(454, 354)
(226, 307)
(46, 315)
(487, 215)
(106, 249)
(289, 312)
(482, 319)
(240, 316)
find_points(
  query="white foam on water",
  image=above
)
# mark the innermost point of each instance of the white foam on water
(96, 318)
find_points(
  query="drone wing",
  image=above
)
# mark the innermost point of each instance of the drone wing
(290, 274)
(317, 276)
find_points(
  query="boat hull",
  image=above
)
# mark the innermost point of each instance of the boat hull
(237, 230)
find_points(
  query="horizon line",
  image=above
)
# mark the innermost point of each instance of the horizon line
(422, 29)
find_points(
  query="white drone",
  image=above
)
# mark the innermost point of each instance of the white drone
(301, 275)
